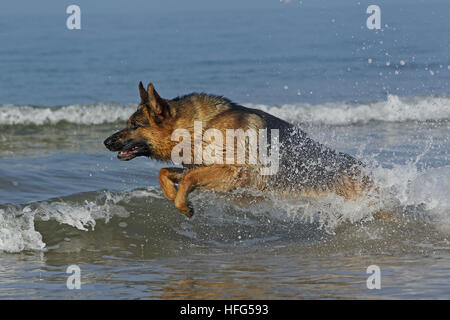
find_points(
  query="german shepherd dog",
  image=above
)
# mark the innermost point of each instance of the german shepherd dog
(306, 167)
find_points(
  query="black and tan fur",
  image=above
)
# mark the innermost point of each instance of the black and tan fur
(306, 167)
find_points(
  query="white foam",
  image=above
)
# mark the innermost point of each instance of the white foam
(403, 190)
(328, 211)
(393, 109)
(17, 232)
(97, 113)
(428, 190)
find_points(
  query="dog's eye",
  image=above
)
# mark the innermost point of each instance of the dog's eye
(133, 125)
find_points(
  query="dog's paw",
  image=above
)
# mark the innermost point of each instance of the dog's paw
(187, 210)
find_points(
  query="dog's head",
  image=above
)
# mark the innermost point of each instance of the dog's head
(147, 132)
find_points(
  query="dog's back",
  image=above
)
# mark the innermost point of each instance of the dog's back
(304, 165)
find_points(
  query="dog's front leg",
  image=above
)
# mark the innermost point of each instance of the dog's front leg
(167, 178)
(215, 177)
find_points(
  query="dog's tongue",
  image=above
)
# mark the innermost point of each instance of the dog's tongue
(126, 153)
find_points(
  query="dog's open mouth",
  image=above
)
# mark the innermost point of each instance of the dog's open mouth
(133, 151)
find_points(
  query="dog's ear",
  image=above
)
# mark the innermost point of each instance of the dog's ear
(156, 103)
(143, 93)
(158, 108)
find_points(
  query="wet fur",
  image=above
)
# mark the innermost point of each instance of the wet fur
(306, 167)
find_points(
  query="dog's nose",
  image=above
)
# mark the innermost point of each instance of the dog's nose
(108, 142)
(114, 142)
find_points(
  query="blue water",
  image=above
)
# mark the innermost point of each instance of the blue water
(249, 55)
(382, 96)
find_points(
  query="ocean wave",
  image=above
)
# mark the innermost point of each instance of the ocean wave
(85, 114)
(393, 109)
(419, 199)
(17, 223)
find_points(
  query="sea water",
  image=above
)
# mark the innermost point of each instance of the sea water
(380, 95)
